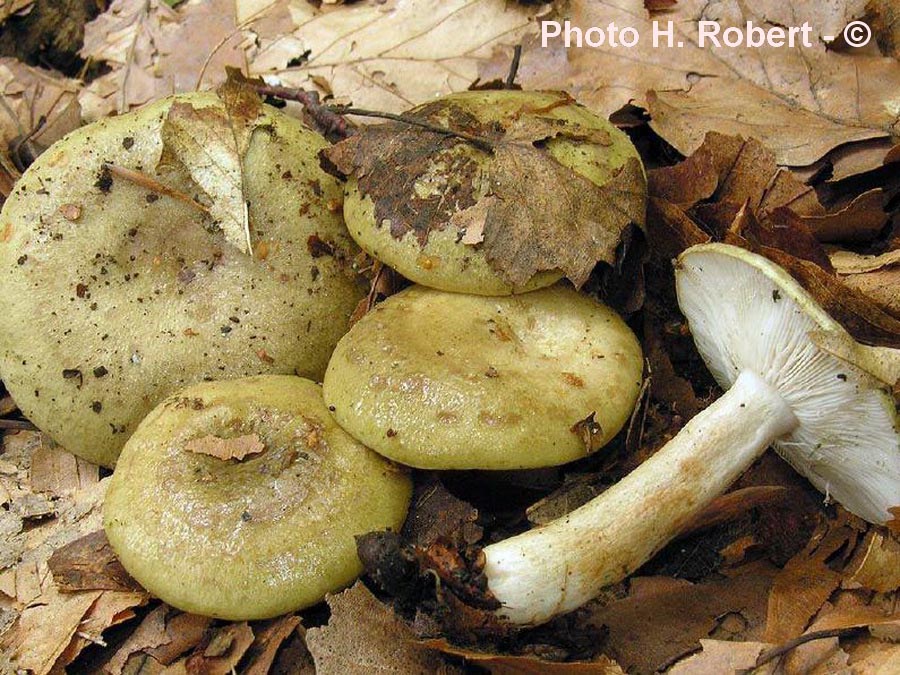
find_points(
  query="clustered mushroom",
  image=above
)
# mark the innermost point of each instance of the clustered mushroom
(125, 280)
(833, 422)
(240, 498)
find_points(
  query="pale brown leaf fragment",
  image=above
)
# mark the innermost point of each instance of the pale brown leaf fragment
(884, 18)
(876, 277)
(33, 94)
(110, 609)
(89, 563)
(57, 472)
(268, 639)
(363, 635)
(720, 656)
(433, 47)
(801, 101)
(876, 564)
(226, 448)
(211, 146)
(184, 631)
(44, 630)
(509, 664)
(150, 633)
(225, 650)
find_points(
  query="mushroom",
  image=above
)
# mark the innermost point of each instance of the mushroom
(126, 272)
(443, 380)
(833, 422)
(551, 198)
(241, 499)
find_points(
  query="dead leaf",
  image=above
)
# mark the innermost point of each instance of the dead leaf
(363, 635)
(153, 50)
(876, 277)
(663, 619)
(237, 448)
(110, 609)
(800, 102)
(876, 564)
(805, 583)
(884, 18)
(525, 230)
(44, 630)
(57, 472)
(508, 664)
(719, 657)
(268, 640)
(434, 47)
(150, 633)
(184, 631)
(226, 648)
(36, 99)
(859, 221)
(89, 563)
(211, 145)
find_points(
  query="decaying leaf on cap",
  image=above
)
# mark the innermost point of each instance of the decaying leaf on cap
(533, 209)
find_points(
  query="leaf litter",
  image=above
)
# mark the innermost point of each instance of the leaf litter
(759, 570)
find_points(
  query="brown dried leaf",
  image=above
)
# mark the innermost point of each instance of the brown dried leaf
(876, 277)
(89, 563)
(884, 18)
(269, 638)
(225, 650)
(435, 513)
(184, 631)
(876, 564)
(860, 221)
(524, 232)
(57, 472)
(433, 47)
(720, 656)
(226, 448)
(863, 318)
(43, 631)
(150, 633)
(805, 583)
(110, 609)
(32, 94)
(153, 50)
(363, 635)
(663, 619)
(508, 664)
(800, 102)
(211, 146)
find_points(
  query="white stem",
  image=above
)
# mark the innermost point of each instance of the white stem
(553, 569)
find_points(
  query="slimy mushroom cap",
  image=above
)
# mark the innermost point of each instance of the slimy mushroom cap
(443, 380)
(258, 536)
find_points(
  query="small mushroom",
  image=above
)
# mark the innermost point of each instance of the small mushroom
(443, 380)
(241, 499)
(126, 273)
(551, 199)
(834, 423)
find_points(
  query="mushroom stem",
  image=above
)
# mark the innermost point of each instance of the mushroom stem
(553, 569)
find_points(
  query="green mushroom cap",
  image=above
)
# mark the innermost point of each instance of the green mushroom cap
(552, 198)
(122, 278)
(443, 380)
(241, 499)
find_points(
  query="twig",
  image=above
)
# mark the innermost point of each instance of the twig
(790, 645)
(476, 141)
(328, 121)
(17, 425)
(325, 114)
(513, 67)
(153, 185)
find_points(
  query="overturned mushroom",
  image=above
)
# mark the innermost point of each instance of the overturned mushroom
(550, 191)
(834, 423)
(451, 381)
(152, 250)
(241, 499)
